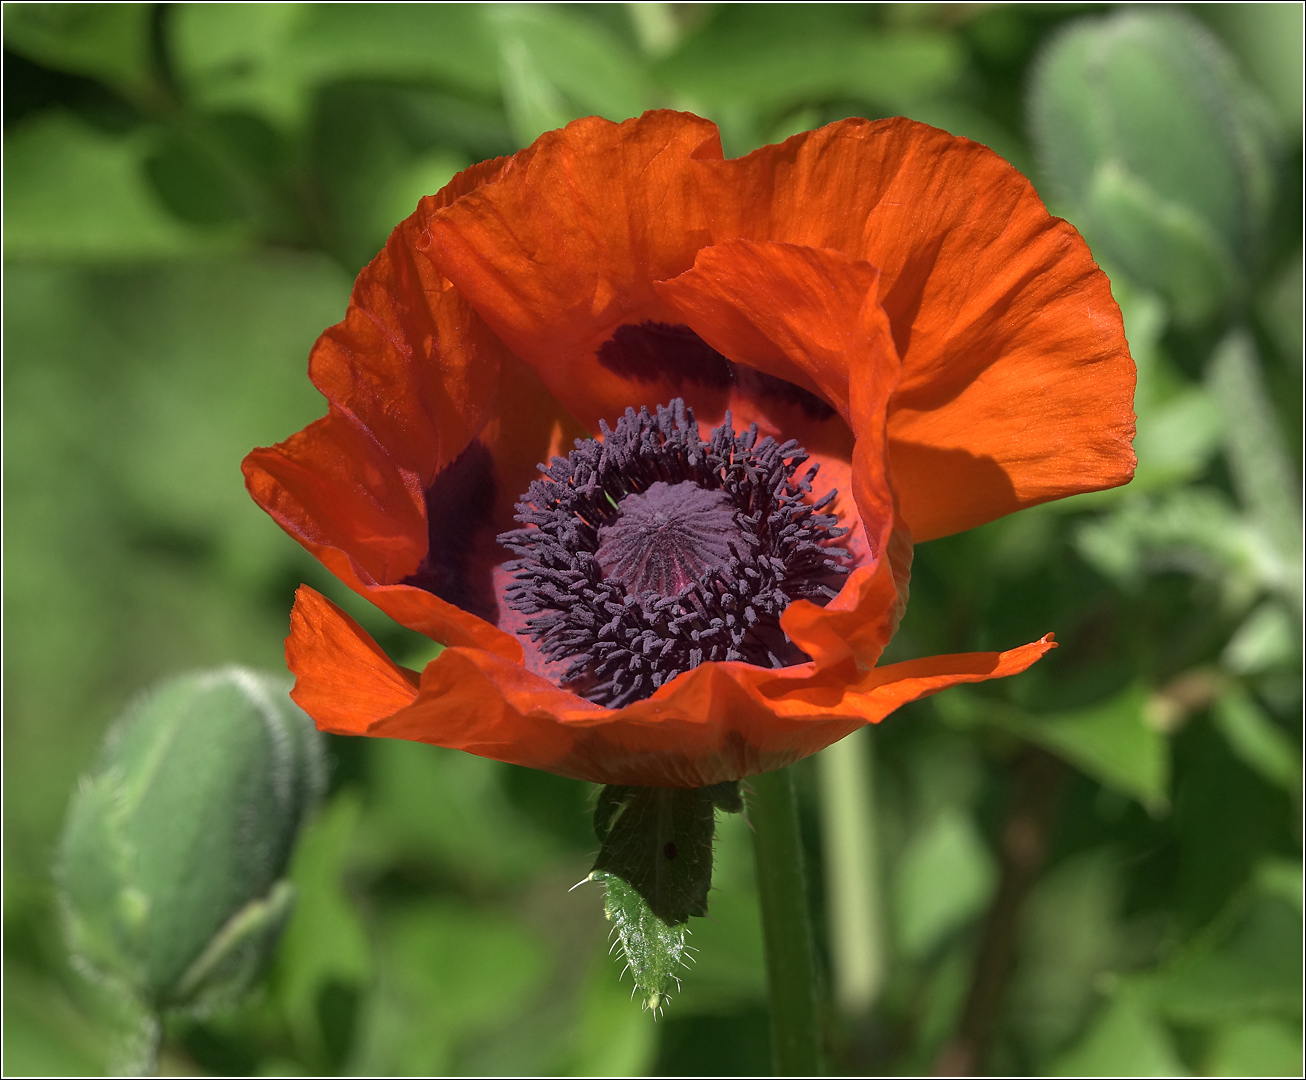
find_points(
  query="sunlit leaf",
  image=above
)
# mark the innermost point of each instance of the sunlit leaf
(587, 65)
(1125, 1040)
(324, 912)
(452, 43)
(943, 879)
(445, 973)
(1256, 739)
(1248, 963)
(1113, 742)
(776, 55)
(1256, 1048)
(1254, 446)
(1194, 530)
(75, 193)
(236, 57)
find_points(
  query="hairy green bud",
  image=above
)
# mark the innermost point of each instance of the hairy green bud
(171, 862)
(1150, 139)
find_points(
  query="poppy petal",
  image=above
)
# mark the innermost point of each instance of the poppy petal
(345, 680)
(810, 316)
(1017, 384)
(564, 249)
(433, 430)
(788, 310)
(688, 734)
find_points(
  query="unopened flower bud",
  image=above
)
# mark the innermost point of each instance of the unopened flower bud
(172, 860)
(1150, 138)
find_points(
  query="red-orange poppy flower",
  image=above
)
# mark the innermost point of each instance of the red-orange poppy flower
(896, 300)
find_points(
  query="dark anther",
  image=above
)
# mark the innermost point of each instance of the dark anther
(669, 849)
(653, 550)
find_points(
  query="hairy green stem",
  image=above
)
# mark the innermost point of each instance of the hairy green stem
(786, 925)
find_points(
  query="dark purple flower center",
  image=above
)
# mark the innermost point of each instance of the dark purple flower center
(647, 552)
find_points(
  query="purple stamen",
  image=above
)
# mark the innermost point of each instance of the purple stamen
(647, 553)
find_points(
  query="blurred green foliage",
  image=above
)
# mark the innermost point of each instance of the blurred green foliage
(189, 190)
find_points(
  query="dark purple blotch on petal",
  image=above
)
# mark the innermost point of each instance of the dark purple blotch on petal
(462, 552)
(649, 352)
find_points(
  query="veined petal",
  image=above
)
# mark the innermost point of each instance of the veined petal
(812, 317)
(895, 299)
(564, 249)
(345, 681)
(717, 722)
(1017, 384)
(433, 430)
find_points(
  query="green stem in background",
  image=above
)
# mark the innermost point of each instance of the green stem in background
(137, 1050)
(852, 872)
(1036, 789)
(786, 924)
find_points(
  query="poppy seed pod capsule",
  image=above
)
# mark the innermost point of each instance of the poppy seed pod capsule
(171, 865)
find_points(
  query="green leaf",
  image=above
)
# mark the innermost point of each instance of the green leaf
(446, 973)
(236, 58)
(46, 1034)
(609, 1038)
(1254, 446)
(1177, 439)
(534, 105)
(325, 912)
(944, 878)
(110, 42)
(1281, 878)
(1113, 742)
(1191, 529)
(1279, 307)
(452, 43)
(450, 809)
(1263, 1047)
(1071, 937)
(655, 864)
(1266, 640)
(1125, 1040)
(588, 66)
(773, 56)
(1256, 739)
(72, 192)
(659, 841)
(726, 954)
(1248, 962)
